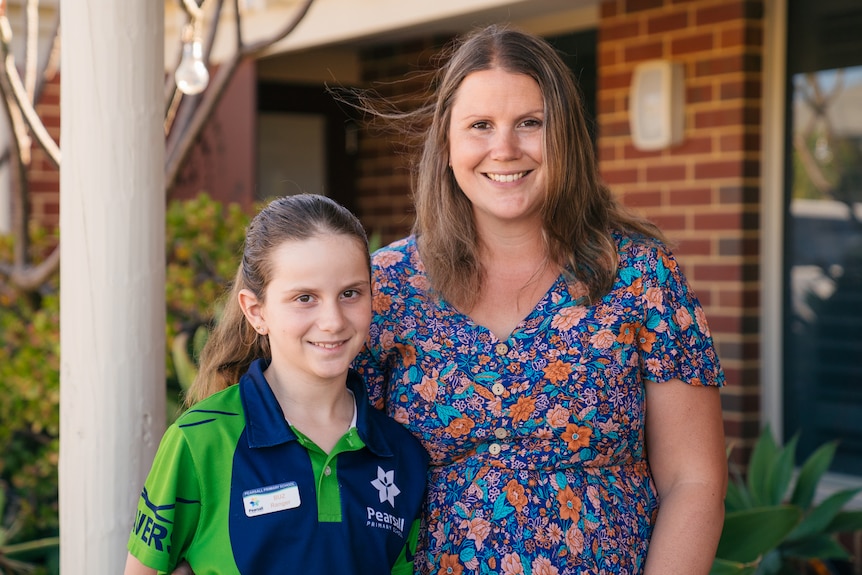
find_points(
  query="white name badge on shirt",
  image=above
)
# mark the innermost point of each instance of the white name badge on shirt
(271, 499)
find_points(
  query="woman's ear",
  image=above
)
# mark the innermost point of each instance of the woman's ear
(252, 309)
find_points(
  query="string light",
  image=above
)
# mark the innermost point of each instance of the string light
(192, 75)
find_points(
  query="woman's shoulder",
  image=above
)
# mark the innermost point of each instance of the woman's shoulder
(399, 251)
(632, 245)
(399, 263)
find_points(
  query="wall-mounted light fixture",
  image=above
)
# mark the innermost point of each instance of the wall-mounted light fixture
(657, 104)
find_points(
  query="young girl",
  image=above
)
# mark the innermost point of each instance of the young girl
(291, 470)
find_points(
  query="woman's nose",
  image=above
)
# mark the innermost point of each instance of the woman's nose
(505, 145)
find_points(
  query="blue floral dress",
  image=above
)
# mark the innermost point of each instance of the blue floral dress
(537, 451)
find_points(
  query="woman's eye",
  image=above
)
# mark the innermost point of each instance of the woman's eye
(481, 125)
(304, 298)
(531, 123)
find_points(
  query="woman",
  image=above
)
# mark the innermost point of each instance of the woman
(540, 341)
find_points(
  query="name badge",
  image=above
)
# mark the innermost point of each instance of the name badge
(271, 499)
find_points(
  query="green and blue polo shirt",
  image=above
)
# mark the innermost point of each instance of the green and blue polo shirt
(234, 489)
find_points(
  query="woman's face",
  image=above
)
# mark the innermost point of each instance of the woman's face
(496, 143)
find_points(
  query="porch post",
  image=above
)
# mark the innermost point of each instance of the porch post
(112, 212)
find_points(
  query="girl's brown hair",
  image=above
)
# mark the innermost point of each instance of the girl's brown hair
(234, 344)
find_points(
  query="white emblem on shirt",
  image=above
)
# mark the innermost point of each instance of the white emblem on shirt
(385, 485)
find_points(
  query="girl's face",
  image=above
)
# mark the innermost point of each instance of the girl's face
(317, 307)
(496, 145)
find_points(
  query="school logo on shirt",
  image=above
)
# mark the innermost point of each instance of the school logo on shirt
(385, 485)
(387, 491)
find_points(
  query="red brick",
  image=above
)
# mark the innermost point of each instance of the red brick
(607, 56)
(607, 152)
(739, 88)
(669, 223)
(642, 199)
(739, 195)
(746, 247)
(643, 51)
(620, 176)
(718, 221)
(621, 31)
(632, 153)
(691, 44)
(640, 5)
(694, 145)
(728, 65)
(723, 12)
(665, 173)
(698, 94)
(722, 117)
(744, 35)
(667, 23)
(746, 297)
(739, 142)
(619, 80)
(717, 272)
(607, 105)
(726, 169)
(690, 197)
(693, 247)
(609, 9)
(609, 129)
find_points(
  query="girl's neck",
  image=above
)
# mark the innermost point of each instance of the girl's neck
(322, 411)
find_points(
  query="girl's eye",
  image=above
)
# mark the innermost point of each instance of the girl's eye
(351, 293)
(305, 298)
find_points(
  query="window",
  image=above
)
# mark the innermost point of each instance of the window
(823, 229)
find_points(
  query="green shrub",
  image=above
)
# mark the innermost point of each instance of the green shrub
(204, 247)
(772, 524)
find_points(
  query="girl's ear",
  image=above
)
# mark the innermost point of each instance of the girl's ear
(252, 309)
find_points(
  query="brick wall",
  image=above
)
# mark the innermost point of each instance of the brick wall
(704, 192)
(44, 176)
(395, 71)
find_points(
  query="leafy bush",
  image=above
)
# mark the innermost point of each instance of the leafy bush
(29, 400)
(772, 524)
(204, 246)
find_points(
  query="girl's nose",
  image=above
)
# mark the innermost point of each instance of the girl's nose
(331, 317)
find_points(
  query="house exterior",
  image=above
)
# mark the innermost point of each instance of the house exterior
(768, 234)
(763, 193)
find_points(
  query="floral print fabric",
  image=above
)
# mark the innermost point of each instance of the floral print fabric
(537, 442)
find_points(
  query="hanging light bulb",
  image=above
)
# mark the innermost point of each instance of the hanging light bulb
(192, 76)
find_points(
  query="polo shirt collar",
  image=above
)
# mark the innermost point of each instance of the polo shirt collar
(265, 422)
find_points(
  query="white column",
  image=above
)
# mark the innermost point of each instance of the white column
(112, 214)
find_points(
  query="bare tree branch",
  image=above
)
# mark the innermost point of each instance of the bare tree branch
(34, 122)
(32, 277)
(179, 146)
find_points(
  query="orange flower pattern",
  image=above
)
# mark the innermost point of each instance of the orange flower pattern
(536, 442)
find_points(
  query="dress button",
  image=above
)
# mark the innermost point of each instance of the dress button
(501, 349)
(501, 433)
(498, 388)
(327, 471)
(494, 448)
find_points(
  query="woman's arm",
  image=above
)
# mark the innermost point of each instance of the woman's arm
(135, 567)
(686, 452)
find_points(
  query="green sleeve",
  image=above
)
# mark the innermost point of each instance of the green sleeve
(404, 563)
(169, 506)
